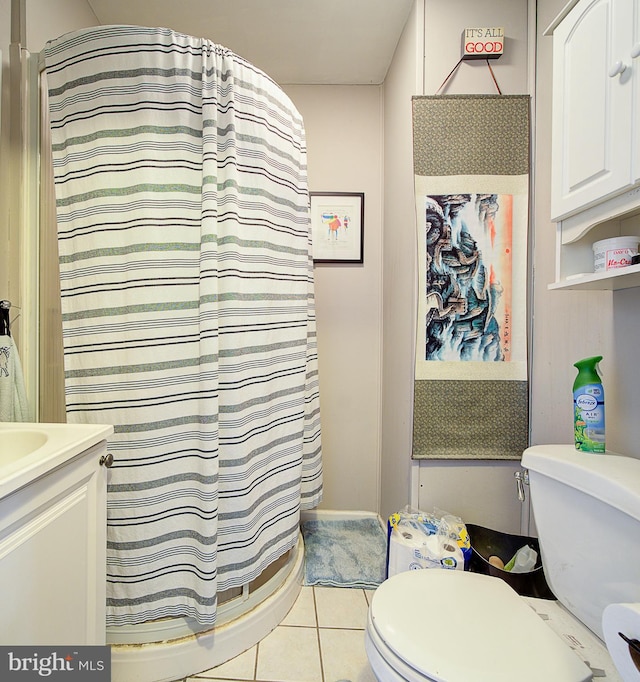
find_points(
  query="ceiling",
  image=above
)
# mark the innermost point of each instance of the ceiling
(335, 42)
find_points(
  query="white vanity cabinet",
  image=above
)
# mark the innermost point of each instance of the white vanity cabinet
(596, 122)
(595, 168)
(53, 541)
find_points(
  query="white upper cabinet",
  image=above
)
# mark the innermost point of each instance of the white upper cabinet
(596, 104)
(635, 68)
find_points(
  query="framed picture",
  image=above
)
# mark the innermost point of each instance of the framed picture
(337, 227)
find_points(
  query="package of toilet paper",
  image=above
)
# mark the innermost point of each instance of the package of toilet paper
(419, 540)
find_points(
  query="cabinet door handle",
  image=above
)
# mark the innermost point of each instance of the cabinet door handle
(617, 69)
(635, 51)
(106, 460)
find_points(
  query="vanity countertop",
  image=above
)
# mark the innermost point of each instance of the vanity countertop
(31, 450)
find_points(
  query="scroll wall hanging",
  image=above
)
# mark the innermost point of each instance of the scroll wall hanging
(471, 167)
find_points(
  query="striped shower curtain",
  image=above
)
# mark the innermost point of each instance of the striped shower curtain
(188, 309)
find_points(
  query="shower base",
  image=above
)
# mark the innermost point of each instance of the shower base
(168, 650)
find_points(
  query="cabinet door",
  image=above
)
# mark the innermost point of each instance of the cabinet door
(53, 557)
(634, 60)
(592, 111)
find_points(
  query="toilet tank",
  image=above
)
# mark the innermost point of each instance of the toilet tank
(587, 513)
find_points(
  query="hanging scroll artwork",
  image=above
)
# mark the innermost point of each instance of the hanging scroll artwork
(471, 168)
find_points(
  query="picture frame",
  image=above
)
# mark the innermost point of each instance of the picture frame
(337, 227)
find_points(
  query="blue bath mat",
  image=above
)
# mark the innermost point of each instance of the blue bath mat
(345, 552)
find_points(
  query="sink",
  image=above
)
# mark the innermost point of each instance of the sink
(20, 442)
(29, 450)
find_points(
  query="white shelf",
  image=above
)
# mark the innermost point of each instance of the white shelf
(610, 280)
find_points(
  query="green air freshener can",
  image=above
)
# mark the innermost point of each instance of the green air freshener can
(588, 407)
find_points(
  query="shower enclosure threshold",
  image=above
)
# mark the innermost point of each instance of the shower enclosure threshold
(168, 650)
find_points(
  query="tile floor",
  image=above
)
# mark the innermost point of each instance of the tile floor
(320, 640)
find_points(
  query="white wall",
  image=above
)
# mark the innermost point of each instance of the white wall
(45, 20)
(479, 491)
(355, 391)
(444, 26)
(565, 325)
(344, 139)
(5, 40)
(569, 325)
(404, 79)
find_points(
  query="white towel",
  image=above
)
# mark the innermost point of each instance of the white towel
(13, 398)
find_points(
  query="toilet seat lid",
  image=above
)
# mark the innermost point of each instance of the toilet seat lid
(456, 626)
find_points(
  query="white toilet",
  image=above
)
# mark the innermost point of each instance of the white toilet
(457, 626)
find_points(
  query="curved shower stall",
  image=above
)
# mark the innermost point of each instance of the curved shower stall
(187, 308)
(168, 650)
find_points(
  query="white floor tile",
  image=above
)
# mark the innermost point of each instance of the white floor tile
(344, 656)
(369, 595)
(341, 607)
(289, 654)
(242, 667)
(303, 612)
(212, 679)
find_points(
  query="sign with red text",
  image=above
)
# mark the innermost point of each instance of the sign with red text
(483, 43)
